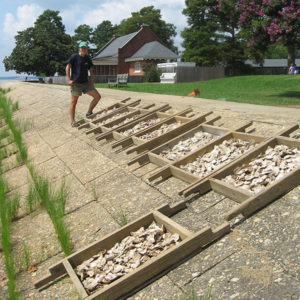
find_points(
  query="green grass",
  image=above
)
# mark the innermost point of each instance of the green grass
(260, 89)
(6, 212)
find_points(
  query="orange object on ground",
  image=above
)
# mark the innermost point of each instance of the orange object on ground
(194, 92)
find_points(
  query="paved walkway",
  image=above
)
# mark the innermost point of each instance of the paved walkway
(259, 259)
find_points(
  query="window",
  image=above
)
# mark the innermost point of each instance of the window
(137, 67)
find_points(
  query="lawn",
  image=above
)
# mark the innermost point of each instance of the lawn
(261, 89)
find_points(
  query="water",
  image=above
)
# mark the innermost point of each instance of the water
(20, 78)
(9, 78)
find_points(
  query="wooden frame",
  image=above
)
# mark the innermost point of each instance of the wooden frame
(153, 156)
(91, 123)
(249, 202)
(116, 106)
(189, 243)
(150, 144)
(175, 170)
(128, 141)
(97, 129)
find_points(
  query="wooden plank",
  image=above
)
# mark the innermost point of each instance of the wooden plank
(243, 127)
(55, 271)
(164, 172)
(167, 136)
(170, 225)
(212, 121)
(168, 210)
(200, 187)
(160, 263)
(263, 198)
(231, 192)
(142, 159)
(287, 131)
(78, 285)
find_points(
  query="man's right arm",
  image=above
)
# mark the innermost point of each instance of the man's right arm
(68, 68)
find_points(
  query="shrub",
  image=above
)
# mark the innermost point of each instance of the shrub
(152, 73)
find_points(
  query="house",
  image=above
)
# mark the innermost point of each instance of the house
(272, 66)
(127, 54)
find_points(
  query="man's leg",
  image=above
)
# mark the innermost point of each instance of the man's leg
(73, 107)
(94, 93)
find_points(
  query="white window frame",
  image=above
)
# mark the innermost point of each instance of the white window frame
(137, 67)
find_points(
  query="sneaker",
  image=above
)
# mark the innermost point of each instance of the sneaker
(88, 114)
(74, 124)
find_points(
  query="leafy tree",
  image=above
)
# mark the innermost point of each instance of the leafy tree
(83, 33)
(268, 22)
(232, 43)
(201, 37)
(148, 15)
(103, 33)
(276, 51)
(42, 49)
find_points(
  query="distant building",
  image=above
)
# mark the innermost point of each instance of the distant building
(272, 66)
(127, 54)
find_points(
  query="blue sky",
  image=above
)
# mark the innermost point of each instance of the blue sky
(17, 15)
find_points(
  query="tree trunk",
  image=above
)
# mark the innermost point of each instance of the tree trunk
(291, 54)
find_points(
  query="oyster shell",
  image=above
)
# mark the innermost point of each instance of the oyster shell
(104, 113)
(161, 130)
(221, 154)
(124, 257)
(265, 169)
(187, 145)
(140, 126)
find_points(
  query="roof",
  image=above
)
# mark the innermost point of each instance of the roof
(273, 63)
(152, 50)
(112, 49)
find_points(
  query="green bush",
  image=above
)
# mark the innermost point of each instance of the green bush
(152, 74)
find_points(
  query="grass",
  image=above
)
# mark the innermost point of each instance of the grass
(41, 191)
(118, 214)
(6, 215)
(54, 202)
(255, 89)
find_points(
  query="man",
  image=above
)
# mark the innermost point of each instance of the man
(80, 63)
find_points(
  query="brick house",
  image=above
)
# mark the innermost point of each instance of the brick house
(127, 54)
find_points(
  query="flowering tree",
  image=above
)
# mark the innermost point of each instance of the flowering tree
(268, 21)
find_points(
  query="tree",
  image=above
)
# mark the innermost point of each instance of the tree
(83, 33)
(231, 38)
(103, 33)
(42, 49)
(201, 37)
(268, 22)
(148, 15)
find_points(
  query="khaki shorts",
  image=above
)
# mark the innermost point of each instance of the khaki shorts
(78, 88)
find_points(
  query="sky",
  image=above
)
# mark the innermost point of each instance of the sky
(17, 15)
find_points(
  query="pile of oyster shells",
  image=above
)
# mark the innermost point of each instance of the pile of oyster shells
(104, 113)
(161, 130)
(221, 154)
(265, 168)
(187, 145)
(140, 126)
(124, 121)
(114, 117)
(124, 257)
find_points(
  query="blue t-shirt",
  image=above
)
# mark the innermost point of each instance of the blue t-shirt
(80, 66)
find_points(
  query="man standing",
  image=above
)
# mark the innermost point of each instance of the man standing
(80, 63)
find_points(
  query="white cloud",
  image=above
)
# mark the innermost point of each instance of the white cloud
(26, 16)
